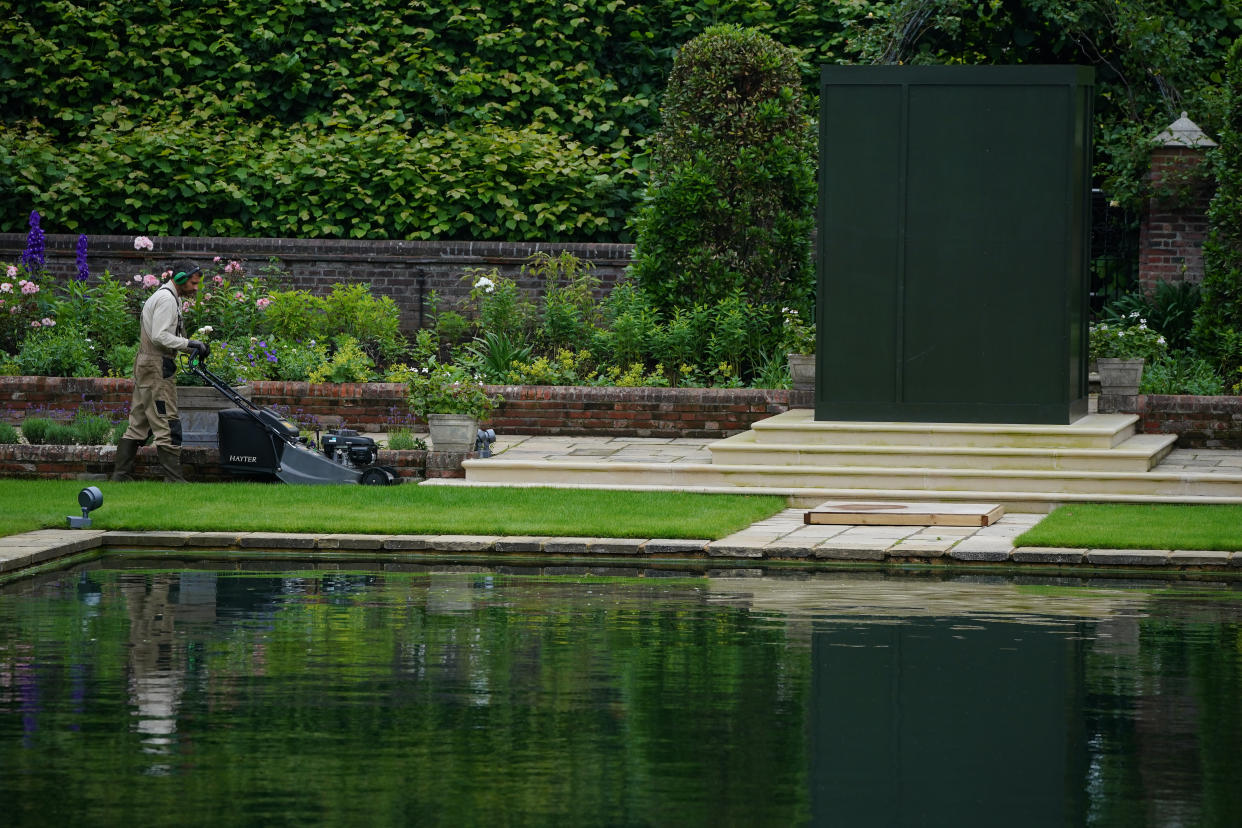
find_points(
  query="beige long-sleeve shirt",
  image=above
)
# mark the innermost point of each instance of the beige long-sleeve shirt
(161, 321)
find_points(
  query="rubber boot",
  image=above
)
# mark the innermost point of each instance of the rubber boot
(170, 461)
(126, 454)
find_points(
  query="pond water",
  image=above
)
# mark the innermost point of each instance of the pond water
(467, 696)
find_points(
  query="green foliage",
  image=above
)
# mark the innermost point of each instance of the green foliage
(119, 360)
(59, 351)
(1153, 60)
(91, 429)
(402, 439)
(8, 435)
(349, 363)
(230, 302)
(295, 315)
(1133, 340)
(394, 118)
(1170, 310)
(448, 389)
(373, 321)
(493, 354)
(565, 367)
(568, 312)
(105, 311)
(35, 430)
(1181, 373)
(730, 202)
(497, 304)
(1217, 333)
(297, 361)
(797, 335)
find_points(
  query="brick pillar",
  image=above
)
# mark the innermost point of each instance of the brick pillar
(1175, 221)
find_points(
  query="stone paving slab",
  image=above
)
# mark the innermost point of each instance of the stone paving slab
(1128, 557)
(275, 540)
(1193, 558)
(350, 541)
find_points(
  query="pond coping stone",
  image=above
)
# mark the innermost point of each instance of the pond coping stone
(409, 542)
(275, 540)
(674, 546)
(1048, 554)
(171, 539)
(349, 541)
(215, 540)
(1195, 558)
(462, 543)
(519, 543)
(616, 546)
(1128, 557)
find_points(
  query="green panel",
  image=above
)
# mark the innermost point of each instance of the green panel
(864, 207)
(952, 243)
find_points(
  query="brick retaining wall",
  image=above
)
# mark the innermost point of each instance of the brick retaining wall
(1198, 422)
(199, 464)
(528, 409)
(407, 271)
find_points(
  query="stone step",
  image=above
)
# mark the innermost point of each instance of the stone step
(798, 427)
(1140, 453)
(865, 482)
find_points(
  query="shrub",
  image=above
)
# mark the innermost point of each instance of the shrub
(402, 439)
(568, 312)
(58, 351)
(119, 360)
(8, 434)
(295, 315)
(497, 304)
(62, 434)
(1181, 373)
(91, 429)
(296, 361)
(1217, 332)
(1170, 310)
(730, 203)
(372, 321)
(103, 311)
(348, 364)
(35, 430)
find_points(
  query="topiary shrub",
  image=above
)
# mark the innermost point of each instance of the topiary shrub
(1217, 332)
(730, 202)
(35, 430)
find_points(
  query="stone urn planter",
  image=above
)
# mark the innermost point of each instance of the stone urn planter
(452, 432)
(802, 371)
(1119, 377)
(197, 406)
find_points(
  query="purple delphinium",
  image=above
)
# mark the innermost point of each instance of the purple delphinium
(84, 272)
(32, 256)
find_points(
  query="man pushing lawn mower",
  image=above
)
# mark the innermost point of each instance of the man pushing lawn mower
(153, 410)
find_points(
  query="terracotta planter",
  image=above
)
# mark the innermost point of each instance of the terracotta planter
(802, 371)
(452, 432)
(197, 406)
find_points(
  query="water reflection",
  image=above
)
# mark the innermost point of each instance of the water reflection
(480, 696)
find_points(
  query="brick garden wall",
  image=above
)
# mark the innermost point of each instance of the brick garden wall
(407, 271)
(200, 464)
(528, 409)
(1198, 422)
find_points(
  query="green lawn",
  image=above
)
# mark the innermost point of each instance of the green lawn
(1132, 526)
(407, 509)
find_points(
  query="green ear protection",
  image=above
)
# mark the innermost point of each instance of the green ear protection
(183, 276)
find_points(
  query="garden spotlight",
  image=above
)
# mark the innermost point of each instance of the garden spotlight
(89, 499)
(483, 442)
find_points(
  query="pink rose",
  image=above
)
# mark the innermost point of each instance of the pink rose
(218, 279)
(233, 267)
(143, 243)
(138, 277)
(238, 296)
(262, 304)
(29, 288)
(48, 323)
(216, 260)
(11, 272)
(6, 288)
(34, 324)
(149, 281)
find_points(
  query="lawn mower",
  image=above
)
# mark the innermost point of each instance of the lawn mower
(258, 441)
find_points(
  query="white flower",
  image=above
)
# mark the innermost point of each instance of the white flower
(203, 332)
(143, 243)
(485, 284)
(1160, 340)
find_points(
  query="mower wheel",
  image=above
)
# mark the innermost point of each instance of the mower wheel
(377, 477)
